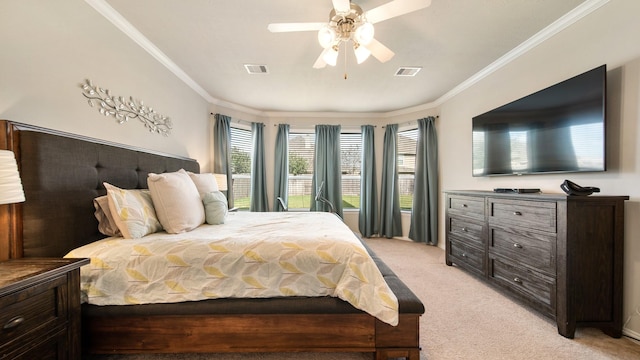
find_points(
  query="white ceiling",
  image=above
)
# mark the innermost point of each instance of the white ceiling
(207, 43)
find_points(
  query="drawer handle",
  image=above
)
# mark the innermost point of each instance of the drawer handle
(13, 323)
(464, 255)
(517, 213)
(464, 229)
(517, 280)
(464, 205)
(516, 245)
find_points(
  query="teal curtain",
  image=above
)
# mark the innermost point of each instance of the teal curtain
(424, 214)
(281, 178)
(222, 151)
(367, 221)
(259, 200)
(390, 219)
(326, 168)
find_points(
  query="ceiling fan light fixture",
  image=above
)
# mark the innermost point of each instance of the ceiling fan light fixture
(347, 22)
(364, 33)
(362, 53)
(326, 36)
(330, 55)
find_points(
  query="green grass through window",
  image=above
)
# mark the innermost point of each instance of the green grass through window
(304, 202)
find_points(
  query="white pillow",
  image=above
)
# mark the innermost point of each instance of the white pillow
(205, 183)
(106, 223)
(132, 211)
(177, 201)
(215, 207)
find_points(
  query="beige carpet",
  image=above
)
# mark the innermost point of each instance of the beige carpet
(464, 319)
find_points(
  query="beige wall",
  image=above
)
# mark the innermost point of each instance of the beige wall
(50, 47)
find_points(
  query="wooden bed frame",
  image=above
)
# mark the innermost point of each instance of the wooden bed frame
(265, 325)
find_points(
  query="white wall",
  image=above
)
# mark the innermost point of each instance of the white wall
(50, 47)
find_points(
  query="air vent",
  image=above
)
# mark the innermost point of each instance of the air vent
(407, 71)
(256, 69)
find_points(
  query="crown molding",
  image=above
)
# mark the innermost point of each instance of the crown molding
(102, 7)
(554, 28)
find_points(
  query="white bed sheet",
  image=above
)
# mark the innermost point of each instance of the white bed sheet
(253, 255)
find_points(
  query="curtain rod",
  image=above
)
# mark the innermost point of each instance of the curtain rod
(412, 121)
(341, 125)
(238, 121)
(375, 126)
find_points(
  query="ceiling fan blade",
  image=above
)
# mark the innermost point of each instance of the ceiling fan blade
(320, 63)
(395, 8)
(379, 51)
(341, 6)
(288, 27)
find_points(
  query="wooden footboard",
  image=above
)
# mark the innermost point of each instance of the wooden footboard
(253, 333)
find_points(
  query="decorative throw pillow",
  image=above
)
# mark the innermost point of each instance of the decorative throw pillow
(106, 222)
(177, 201)
(215, 207)
(205, 183)
(132, 211)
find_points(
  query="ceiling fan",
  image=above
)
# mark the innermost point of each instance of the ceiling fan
(347, 22)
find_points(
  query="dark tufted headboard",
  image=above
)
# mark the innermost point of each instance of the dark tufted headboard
(61, 175)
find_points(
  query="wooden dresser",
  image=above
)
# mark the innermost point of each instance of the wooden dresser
(561, 255)
(40, 308)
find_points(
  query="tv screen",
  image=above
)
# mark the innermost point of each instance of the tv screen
(557, 129)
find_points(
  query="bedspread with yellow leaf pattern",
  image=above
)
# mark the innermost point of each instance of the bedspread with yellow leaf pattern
(255, 255)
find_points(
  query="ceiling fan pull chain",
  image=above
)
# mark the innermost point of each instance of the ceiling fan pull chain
(345, 61)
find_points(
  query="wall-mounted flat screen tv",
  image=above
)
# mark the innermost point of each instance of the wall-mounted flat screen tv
(557, 129)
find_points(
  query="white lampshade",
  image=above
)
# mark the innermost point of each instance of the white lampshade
(364, 33)
(221, 179)
(362, 53)
(326, 36)
(330, 55)
(10, 185)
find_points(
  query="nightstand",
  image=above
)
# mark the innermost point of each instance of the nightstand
(40, 308)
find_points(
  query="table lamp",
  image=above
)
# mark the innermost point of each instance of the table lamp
(10, 185)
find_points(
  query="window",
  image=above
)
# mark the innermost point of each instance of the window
(301, 149)
(351, 160)
(301, 152)
(241, 154)
(407, 142)
(478, 152)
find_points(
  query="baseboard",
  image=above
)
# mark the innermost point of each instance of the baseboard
(630, 333)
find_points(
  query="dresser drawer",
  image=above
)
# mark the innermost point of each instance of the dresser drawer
(465, 256)
(469, 230)
(53, 346)
(534, 249)
(537, 215)
(28, 314)
(467, 206)
(535, 288)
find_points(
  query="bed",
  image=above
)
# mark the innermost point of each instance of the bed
(62, 174)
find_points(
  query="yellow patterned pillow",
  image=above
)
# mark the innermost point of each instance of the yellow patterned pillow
(132, 211)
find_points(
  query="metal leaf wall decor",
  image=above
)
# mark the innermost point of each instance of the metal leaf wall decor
(123, 110)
